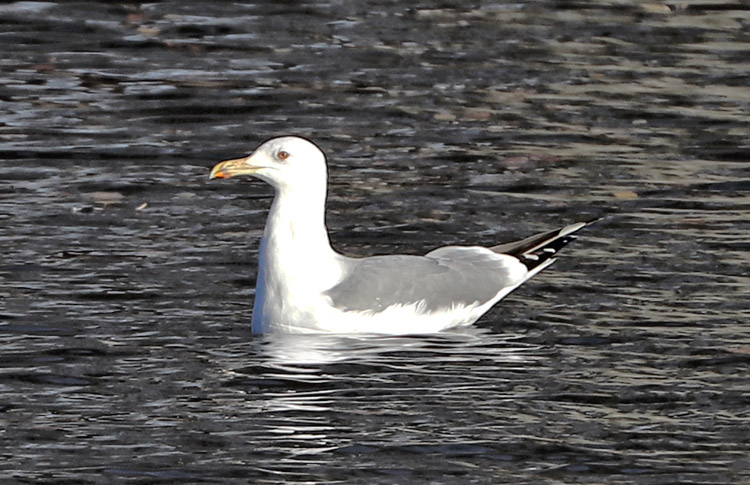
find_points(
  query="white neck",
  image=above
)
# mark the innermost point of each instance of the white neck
(297, 252)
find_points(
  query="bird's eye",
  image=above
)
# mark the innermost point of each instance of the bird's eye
(282, 155)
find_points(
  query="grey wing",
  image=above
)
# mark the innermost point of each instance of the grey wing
(444, 278)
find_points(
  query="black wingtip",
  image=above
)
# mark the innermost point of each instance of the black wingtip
(537, 254)
(540, 255)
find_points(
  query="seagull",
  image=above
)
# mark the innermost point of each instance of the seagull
(304, 286)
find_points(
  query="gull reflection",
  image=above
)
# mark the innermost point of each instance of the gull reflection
(315, 349)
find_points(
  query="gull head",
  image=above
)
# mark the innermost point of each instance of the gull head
(286, 163)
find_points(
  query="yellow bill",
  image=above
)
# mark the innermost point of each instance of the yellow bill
(230, 168)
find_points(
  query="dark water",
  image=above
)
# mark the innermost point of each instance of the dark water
(127, 278)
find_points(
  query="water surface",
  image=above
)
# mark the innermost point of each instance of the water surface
(127, 278)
